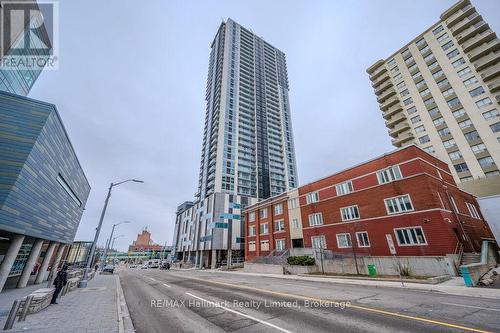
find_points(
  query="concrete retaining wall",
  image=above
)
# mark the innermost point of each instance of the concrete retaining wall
(263, 268)
(296, 269)
(418, 266)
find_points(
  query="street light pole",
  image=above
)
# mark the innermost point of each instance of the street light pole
(84, 281)
(113, 244)
(105, 256)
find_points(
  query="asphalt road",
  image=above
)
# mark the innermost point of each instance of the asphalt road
(198, 301)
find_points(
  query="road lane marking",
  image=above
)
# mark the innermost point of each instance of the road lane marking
(240, 313)
(166, 285)
(472, 306)
(358, 307)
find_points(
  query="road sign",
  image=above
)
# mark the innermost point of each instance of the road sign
(390, 242)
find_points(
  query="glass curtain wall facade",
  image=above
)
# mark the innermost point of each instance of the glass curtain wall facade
(247, 95)
(20, 80)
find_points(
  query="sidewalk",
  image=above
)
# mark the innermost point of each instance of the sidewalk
(451, 287)
(92, 309)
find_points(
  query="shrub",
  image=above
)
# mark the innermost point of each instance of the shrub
(300, 260)
(404, 270)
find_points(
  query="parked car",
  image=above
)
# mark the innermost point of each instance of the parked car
(132, 266)
(108, 269)
(144, 266)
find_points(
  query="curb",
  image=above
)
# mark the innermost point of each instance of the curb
(448, 290)
(124, 321)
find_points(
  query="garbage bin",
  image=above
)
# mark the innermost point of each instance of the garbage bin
(372, 271)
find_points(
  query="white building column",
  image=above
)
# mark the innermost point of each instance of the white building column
(10, 257)
(196, 259)
(30, 263)
(201, 259)
(45, 263)
(53, 270)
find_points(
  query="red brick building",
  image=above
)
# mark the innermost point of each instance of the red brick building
(144, 243)
(407, 194)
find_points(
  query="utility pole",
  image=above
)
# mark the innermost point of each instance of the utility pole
(84, 281)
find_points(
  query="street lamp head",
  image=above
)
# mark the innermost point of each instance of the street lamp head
(137, 181)
(123, 222)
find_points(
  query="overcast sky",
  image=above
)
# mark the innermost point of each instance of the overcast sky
(131, 83)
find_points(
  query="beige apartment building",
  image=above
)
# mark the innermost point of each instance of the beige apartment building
(441, 91)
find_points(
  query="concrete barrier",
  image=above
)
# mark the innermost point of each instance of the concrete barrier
(263, 268)
(41, 300)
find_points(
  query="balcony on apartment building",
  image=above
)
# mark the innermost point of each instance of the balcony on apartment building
(472, 31)
(491, 72)
(399, 128)
(379, 71)
(381, 79)
(487, 60)
(494, 86)
(465, 23)
(397, 118)
(392, 110)
(389, 102)
(380, 89)
(478, 39)
(403, 138)
(484, 49)
(460, 14)
(388, 93)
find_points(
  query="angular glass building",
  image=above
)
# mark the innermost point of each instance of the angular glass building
(20, 78)
(43, 189)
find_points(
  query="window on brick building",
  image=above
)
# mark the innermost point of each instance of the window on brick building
(312, 197)
(389, 174)
(251, 246)
(344, 188)
(318, 242)
(472, 210)
(264, 245)
(251, 216)
(278, 209)
(362, 238)
(410, 236)
(398, 204)
(315, 219)
(344, 241)
(349, 213)
(280, 245)
(279, 225)
(454, 205)
(251, 230)
(264, 228)
(263, 213)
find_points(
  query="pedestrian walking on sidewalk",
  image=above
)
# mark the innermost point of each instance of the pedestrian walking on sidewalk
(59, 282)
